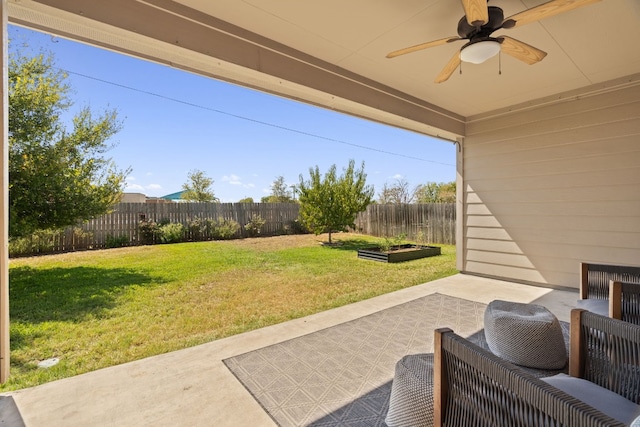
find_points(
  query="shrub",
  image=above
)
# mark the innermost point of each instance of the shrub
(149, 232)
(295, 227)
(225, 229)
(20, 246)
(116, 242)
(171, 233)
(79, 233)
(38, 242)
(254, 226)
(201, 228)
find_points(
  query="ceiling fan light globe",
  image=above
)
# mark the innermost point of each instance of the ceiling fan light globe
(477, 53)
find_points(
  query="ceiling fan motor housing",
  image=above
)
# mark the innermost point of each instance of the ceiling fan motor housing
(468, 31)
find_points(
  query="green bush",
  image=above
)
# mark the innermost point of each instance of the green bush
(18, 247)
(201, 228)
(79, 233)
(254, 226)
(225, 229)
(116, 242)
(295, 227)
(149, 232)
(171, 233)
(38, 242)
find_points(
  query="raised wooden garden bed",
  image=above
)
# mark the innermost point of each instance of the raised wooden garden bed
(399, 253)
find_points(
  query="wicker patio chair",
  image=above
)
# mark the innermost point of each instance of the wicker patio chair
(473, 387)
(598, 295)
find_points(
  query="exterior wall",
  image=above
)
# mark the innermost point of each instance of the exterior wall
(133, 198)
(546, 188)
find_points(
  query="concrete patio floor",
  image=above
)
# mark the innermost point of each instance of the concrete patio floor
(192, 387)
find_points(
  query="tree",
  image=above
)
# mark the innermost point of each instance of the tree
(198, 188)
(57, 177)
(331, 203)
(447, 193)
(433, 192)
(427, 193)
(397, 193)
(246, 200)
(279, 192)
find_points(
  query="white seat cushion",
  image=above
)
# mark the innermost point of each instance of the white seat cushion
(598, 306)
(606, 401)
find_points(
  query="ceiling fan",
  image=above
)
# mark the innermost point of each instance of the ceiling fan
(480, 21)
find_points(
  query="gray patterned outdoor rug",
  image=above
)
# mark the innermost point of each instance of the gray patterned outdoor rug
(341, 376)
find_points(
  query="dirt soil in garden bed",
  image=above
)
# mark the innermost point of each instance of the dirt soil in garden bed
(410, 249)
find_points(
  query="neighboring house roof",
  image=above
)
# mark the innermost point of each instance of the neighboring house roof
(173, 196)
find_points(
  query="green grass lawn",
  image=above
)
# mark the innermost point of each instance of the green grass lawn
(102, 308)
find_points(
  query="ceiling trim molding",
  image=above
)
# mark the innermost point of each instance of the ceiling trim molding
(573, 95)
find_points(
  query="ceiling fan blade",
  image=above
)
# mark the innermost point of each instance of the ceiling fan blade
(521, 50)
(422, 46)
(448, 69)
(545, 10)
(476, 12)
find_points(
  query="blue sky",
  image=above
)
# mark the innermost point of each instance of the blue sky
(175, 122)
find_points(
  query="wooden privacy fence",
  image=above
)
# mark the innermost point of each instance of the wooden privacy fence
(123, 222)
(430, 223)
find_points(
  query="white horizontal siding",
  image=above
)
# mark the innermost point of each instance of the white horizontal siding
(547, 188)
(501, 241)
(593, 105)
(553, 193)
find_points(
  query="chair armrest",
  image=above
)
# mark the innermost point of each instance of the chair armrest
(584, 280)
(615, 299)
(475, 387)
(605, 352)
